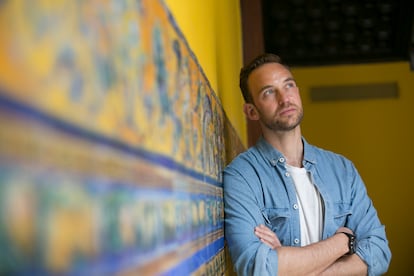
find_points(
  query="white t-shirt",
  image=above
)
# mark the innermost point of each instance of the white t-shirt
(310, 206)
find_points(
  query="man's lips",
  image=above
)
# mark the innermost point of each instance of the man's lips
(287, 111)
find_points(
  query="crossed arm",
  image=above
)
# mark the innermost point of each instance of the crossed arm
(322, 258)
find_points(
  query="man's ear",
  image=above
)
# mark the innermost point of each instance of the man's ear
(251, 112)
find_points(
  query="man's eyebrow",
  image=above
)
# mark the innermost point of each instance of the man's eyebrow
(289, 79)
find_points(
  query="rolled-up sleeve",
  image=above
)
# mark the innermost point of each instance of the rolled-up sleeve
(372, 244)
(373, 249)
(242, 214)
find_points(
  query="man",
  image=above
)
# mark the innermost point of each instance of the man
(292, 208)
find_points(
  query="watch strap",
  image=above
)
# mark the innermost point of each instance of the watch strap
(351, 243)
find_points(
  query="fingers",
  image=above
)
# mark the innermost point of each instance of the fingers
(345, 229)
(267, 236)
(263, 230)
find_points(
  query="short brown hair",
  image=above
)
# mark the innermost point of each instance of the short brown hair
(246, 70)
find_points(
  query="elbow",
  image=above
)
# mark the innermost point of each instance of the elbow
(260, 261)
(379, 265)
(378, 268)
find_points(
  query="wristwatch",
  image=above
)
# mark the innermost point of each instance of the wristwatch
(351, 243)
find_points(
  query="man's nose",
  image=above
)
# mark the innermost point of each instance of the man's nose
(283, 97)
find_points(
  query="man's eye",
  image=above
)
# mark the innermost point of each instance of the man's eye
(290, 85)
(268, 91)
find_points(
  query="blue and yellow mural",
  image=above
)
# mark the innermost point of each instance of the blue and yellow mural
(112, 143)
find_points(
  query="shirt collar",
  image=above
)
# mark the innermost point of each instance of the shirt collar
(274, 156)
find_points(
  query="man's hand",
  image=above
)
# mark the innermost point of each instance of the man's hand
(344, 229)
(267, 236)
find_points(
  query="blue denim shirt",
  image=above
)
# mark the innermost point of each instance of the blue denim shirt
(259, 190)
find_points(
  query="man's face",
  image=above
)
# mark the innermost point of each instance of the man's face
(277, 103)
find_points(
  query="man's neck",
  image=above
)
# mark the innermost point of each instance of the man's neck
(289, 143)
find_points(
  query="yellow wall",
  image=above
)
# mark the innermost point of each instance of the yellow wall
(377, 135)
(213, 31)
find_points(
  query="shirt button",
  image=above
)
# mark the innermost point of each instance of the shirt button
(287, 174)
(281, 159)
(296, 241)
(273, 162)
(295, 206)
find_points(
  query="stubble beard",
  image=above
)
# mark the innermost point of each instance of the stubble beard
(284, 125)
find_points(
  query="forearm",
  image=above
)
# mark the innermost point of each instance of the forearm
(312, 259)
(348, 266)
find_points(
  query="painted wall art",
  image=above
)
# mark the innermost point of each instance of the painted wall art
(112, 143)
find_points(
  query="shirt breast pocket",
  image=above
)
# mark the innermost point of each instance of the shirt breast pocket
(277, 219)
(341, 213)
